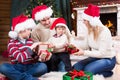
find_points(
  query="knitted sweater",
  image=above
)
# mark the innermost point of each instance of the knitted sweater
(102, 47)
(20, 52)
(59, 42)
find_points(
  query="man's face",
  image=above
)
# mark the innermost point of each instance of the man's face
(45, 22)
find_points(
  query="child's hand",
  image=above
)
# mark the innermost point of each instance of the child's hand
(66, 44)
(73, 33)
(34, 45)
(51, 46)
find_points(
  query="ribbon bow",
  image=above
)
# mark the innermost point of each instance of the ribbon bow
(75, 73)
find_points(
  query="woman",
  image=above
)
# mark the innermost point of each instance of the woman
(101, 56)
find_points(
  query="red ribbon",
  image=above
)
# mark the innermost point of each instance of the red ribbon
(75, 73)
(47, 53)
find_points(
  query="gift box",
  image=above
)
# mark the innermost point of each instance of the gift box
(78, 75)
(44, 52)
(44, 55)
(71, 49)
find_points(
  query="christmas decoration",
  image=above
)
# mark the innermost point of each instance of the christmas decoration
(34, 3)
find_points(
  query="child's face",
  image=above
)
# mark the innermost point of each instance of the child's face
(25, 34)
(60, 30)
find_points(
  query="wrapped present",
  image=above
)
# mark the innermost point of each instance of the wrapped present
(44, 55)
(78, 75)
(71, 49)
(44, 52)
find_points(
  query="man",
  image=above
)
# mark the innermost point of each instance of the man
(42, 32)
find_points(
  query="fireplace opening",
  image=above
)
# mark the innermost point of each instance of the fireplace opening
(110, 21)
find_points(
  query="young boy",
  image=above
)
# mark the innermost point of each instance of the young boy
(24, 65)
(59, 41)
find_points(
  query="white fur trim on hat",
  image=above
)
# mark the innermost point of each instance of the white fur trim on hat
(94, 21)
(86, 17)
(43, 13)
(61, 24)
(25, 25)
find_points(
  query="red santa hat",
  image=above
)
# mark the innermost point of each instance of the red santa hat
(20, 23)
(58, 22)
(92, 14)
(40, 12)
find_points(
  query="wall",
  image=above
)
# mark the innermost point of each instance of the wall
(5, 9)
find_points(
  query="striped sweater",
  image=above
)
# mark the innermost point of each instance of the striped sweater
(20, 52)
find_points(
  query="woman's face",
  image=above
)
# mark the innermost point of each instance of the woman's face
(86, 22)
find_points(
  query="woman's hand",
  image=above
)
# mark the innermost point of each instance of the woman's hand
(79, 53)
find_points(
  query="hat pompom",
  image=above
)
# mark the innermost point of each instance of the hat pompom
(13, 34)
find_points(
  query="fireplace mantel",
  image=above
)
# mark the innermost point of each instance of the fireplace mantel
(103, 9)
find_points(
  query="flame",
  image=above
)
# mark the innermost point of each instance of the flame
(109, 24)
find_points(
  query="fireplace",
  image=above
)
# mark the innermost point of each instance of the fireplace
(110, 21)
(109, 15)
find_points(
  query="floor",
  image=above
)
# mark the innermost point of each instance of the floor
(116, 70)
(116, 75)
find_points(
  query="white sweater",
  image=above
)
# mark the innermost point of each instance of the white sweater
(101, 48)
(59, 43)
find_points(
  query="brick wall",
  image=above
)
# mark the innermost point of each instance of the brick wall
(5, 9)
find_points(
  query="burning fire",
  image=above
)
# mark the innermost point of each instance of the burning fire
(109, 24)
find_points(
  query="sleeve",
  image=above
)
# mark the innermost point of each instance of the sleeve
(68, 34)
(17, 54)
(80, 41)
(35, 36)
(105, 49)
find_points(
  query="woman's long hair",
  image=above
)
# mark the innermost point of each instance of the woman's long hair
(95, 30)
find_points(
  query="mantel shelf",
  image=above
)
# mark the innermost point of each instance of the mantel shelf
(102, 6)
